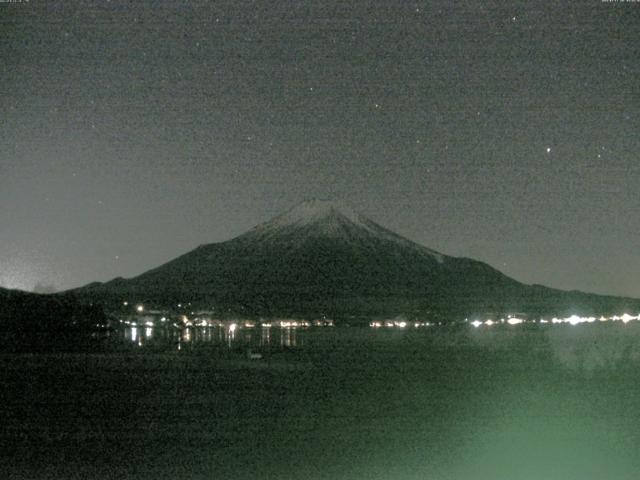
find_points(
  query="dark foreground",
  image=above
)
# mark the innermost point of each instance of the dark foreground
(349, 404)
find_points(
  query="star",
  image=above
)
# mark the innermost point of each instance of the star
(548, 149)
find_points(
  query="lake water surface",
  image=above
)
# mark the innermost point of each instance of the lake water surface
(331, 403)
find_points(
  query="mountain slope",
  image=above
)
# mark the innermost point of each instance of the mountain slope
(324, 258)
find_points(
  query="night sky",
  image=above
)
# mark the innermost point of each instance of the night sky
(131, 132)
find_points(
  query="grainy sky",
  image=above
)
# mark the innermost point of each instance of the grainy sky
(506, 131)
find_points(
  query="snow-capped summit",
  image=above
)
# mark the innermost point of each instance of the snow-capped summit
(322, 217)
(328, 219)
(314, 210)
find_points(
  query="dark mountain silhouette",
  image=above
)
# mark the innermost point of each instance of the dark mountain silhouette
(323, 258)
(38, 322)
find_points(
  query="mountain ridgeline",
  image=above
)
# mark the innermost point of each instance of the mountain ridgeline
(323, 258)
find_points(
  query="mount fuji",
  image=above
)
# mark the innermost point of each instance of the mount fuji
(324, 258)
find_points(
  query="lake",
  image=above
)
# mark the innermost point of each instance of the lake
(506, 402)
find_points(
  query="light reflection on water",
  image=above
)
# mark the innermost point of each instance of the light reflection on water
(290, 337)
(587, 348)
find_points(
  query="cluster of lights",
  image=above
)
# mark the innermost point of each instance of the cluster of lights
(200, 321)
(398, 324)
(572, 320)
(489, 323)
(293, 323)
(203, 322)
(511, 320)
(323, 322)
(575, 320)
